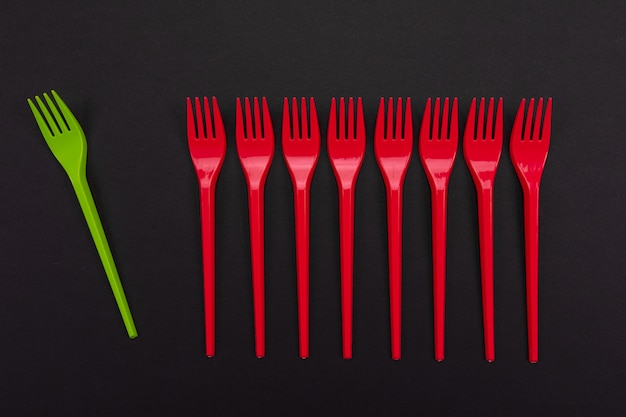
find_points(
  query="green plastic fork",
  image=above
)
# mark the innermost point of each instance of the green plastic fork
(67, 142)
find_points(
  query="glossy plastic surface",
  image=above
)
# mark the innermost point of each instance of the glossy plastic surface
(529, 150)
(345, 151)
(207, 148)
(482, 146)
(437, 152)
(393, 152)
(301, 148)
(66, 140)
(255, 147)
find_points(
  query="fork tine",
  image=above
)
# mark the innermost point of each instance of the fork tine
(258, 133)
(55, 113)
(516, 131)
(314, 124)
(295, 133)
(268, 129)
(444, 118)
(389, 129)
(470, 125)
(303, 118)
(489, 122)
(538, 119)
(529, 119)
(191, 123)
(480, 123)
(217, 118)
(350, 133)
(45, 130)
(199, 119)
(399, 119)
(435, 128)
(498, 133)
(208, 119)
(51, 123)
(286, 131)
(360, 120)
(425, 127)
(547, 121)
(408, 121)
(332, 120)
(454, 121)
(239, 132)
(249, 133)
(70, 120)
(380, 119)
(342, 119)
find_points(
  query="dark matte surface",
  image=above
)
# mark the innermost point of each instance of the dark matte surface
(125, 70)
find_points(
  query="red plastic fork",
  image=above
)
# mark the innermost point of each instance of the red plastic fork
(393, 153)
(437, 152)
(207, 149)
(529, 154)
(346, 151)
(301, 148)
(482, 154)
(256, 151)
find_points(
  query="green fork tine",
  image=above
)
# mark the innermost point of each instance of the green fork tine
(66, 140)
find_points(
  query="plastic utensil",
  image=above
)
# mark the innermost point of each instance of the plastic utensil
(66, 140)
(437, 152)
(393, 153)
(528, 154)
(301, 148)
(207, 149)
(345, 151)
(482, 154)
(256, 151)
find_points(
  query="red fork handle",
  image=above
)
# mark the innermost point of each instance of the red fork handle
(531, 232)
(346, 238)
(257, 245)
(485, 233)
(394, 236)
(439, 210)
(302, 259)
(207, 215)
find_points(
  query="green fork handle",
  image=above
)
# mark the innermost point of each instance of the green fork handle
(81, 187)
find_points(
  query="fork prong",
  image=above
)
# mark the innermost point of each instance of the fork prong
(239, 131)
(332, 120)
(360, 120)
(499, 131)
(454, 121)
(480, 123)
(45, 130)
(314, 126)
(55, 113)
(51, 123)
(218, 126)
(435, 128)
(408, 121)
(342, 119)
(547, 121)
(199, 117)
(249, 134)
(268, 129)
(516, 131)
(538, 114)
(470, 124)
(489, 122)
(399, 119)
(70, 120)
(529, 119)
(350, 133)
(208, 119)
(191, 123)
(425, 127)
(303, 118)
(379, 129)
(258, 133)
(295, 132)
(286, 130)
(444, 118)
(389, 129)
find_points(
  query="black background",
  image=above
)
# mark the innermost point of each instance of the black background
(125, 68)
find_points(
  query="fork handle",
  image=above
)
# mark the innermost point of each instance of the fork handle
(83, 193)
(439, 197)
(302, 258)
(485, 233)
(257, 248)
(346, 238)
(531, 232)
(394, 237)
(207, 215)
